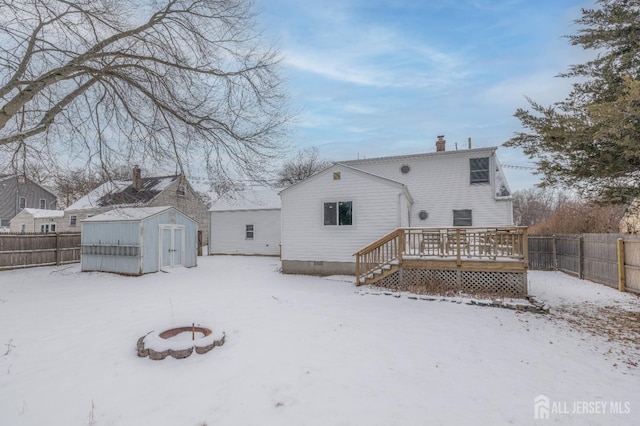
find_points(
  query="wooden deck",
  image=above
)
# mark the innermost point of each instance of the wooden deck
(458, 249)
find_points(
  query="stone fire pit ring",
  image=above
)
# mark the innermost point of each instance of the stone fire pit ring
(178, 342)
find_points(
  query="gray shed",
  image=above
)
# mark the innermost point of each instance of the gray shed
(136, 241)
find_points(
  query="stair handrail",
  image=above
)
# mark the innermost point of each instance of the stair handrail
(365, 267)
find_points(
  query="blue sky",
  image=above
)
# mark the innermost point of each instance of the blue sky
(374, 78)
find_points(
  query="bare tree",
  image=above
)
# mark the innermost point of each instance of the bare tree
(304, 164)
(533, 205)
(168, 81)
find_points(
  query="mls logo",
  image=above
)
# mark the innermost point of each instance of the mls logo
(541, 407)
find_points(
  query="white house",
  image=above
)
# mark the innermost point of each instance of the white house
(246, 223)
(36, 220)
(331, 215)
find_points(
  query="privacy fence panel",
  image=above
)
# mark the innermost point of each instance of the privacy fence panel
(542, 253)
(569, 254)
(601, 258)
(590, 256)
(632, 263)
(25, 250)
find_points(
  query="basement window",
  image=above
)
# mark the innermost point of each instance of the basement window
(462, 218)
(338, 213)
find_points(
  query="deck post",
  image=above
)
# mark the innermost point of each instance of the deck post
(357, 269)
(400, 238)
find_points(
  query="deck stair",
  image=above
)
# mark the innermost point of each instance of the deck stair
(499, 249)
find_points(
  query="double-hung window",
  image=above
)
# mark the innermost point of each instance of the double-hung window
(479, 170)
(249, 232)
(462, 218)
(338, 213)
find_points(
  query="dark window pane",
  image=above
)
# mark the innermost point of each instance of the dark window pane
(330, 215)
(345, 215)
(479, 170)
(462, 218)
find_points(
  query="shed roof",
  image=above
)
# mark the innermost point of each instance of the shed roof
(128, 214)
(42, 213)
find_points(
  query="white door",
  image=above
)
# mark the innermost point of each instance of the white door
(172, 242)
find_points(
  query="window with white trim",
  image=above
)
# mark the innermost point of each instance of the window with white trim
(43, 204)
(249, 232)
(22, 203)
(73, 220)
(462, 218)
(338, 213)
(479, 170)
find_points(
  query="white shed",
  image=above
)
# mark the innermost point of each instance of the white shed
(246, 223)
(328, 217)
(136, 241)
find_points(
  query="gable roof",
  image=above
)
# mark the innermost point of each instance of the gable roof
(367, 175)
(254, 198)
(128, 214)
(121, 193)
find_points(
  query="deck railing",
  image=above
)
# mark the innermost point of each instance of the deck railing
(457, 243)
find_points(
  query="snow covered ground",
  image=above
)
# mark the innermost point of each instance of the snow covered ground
(309, 351)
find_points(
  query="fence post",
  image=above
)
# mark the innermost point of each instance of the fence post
(581, 257)
(621, 272)
(555, 252)
(57, 249)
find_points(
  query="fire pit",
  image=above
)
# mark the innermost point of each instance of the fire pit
(179, 342)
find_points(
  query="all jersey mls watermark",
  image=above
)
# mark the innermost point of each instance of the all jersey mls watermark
(543, 407)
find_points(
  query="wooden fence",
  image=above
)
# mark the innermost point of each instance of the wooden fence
(595, 257)
(27, 250)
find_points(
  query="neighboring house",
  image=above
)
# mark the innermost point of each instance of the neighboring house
(18, 193)
(139, 240)
(331, 215)
(246, 223)
(140, 191)
(36, 220)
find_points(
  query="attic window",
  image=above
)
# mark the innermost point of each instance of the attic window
(479, 170)
(336, 175)
(181, 190)
(405, 169)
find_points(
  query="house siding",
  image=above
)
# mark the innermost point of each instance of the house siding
(440, 183)
(31, 223)
(377, 209)
(190, 204)
(10, 192)
(228, 232)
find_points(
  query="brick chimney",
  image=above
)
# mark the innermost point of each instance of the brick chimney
(440, 143)
(137, 178)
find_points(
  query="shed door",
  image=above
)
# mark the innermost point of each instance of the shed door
(172, 240)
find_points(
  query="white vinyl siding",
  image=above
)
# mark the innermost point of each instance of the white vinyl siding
(229, 232)
(439, 184)
(377, 209)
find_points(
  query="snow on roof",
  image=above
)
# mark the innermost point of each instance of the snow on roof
(254, 198)
(127, 214)
(42, 213)
(121, 193)
(91, 200)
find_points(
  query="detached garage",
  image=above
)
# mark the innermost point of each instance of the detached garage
(246, 224)
(136, 241)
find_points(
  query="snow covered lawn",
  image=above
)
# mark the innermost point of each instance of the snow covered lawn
(307, 351)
